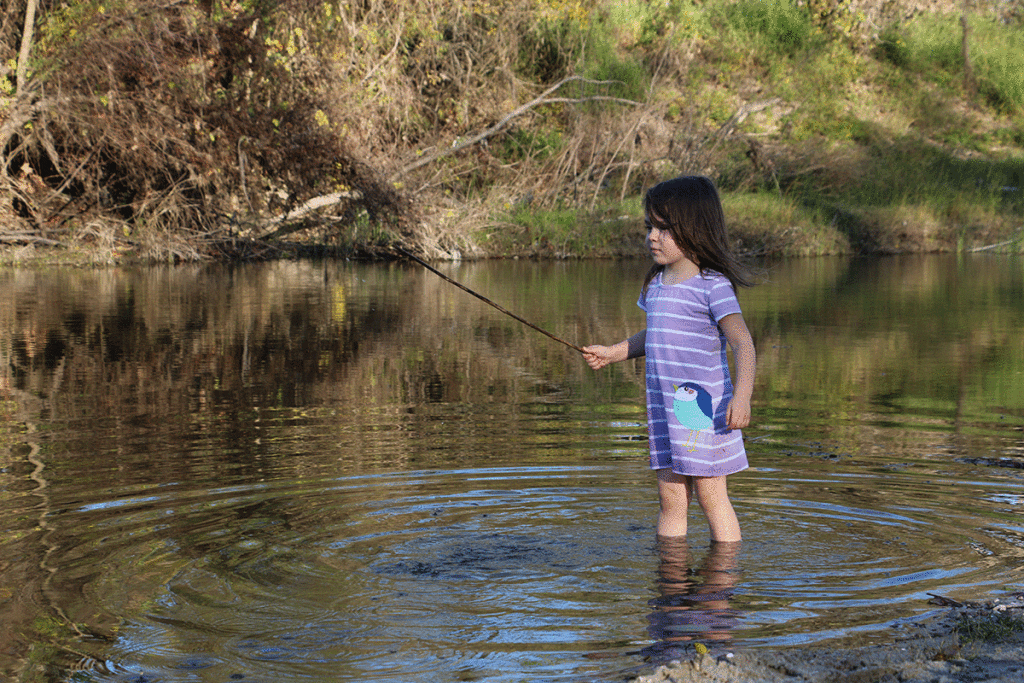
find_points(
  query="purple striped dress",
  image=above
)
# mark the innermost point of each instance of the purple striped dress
(688, 383)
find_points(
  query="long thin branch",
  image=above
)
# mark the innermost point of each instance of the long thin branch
(1008, 242)
(518, 111)
(26, 48)
(464, 288)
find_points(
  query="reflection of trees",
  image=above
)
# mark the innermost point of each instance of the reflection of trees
(138, 372)
(384, 343)
(285, 335)
(880, 339)
(241, 354)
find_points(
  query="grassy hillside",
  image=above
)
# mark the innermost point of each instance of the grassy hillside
(500, 127)
(828, 138)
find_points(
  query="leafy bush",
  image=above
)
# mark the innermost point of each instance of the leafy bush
(892, 47)
(176, 117)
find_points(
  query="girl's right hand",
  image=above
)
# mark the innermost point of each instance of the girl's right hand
(598, 356)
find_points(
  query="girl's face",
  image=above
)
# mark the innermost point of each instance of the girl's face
(660, 242)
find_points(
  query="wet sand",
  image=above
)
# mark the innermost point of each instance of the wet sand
(929, 651)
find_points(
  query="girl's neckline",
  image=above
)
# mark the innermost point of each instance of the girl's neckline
(664, 283)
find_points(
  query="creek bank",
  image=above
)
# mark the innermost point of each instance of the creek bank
(930, 650)
(625, 243)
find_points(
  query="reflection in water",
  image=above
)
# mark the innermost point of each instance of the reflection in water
(693, 601)
(333, 471)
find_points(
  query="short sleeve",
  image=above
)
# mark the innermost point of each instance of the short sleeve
(642, 299)
(722, 299)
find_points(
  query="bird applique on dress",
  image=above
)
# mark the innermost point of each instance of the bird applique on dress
(691, 405)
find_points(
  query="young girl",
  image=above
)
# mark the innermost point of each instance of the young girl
(694, 411)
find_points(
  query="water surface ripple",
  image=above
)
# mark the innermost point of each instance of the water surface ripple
(306, 472)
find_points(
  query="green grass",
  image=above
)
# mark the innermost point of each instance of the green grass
(874, 147)
(999, 65)
(630, 24)
(906, 169)
(930, 46)
(772, 224)
(776, 27)
(565, 231)
(520, 144)
(989, 628)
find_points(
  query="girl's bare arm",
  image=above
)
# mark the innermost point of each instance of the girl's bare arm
(739, 339)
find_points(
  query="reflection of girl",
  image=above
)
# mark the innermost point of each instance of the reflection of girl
(693, 605)
(694, 412)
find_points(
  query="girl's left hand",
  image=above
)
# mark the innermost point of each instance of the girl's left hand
(737, 414)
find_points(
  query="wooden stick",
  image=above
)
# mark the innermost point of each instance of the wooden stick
(485, 299)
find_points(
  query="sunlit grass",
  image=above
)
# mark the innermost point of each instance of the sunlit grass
(931, 46)
(771, 224)
(780, 28)
(870, 149)
(567, 231)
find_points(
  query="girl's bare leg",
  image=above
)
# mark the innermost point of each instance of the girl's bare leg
(674, 498)
(713, 497)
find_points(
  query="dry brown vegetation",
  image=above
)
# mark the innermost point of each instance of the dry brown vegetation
(173, 131)
(177, 130)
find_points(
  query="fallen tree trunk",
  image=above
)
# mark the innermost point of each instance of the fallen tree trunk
(301, 212)
(28, 238)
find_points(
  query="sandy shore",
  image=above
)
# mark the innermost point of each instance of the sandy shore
(931, 651)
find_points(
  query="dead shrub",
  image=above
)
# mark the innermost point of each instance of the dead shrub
(156, 114)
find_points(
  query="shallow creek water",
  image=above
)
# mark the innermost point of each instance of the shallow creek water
(307, 471)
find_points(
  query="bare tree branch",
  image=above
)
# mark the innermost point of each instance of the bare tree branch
(282, 222)
(26, 47)
(518, 111)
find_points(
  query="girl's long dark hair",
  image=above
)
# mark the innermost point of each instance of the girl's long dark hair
(692, 211)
